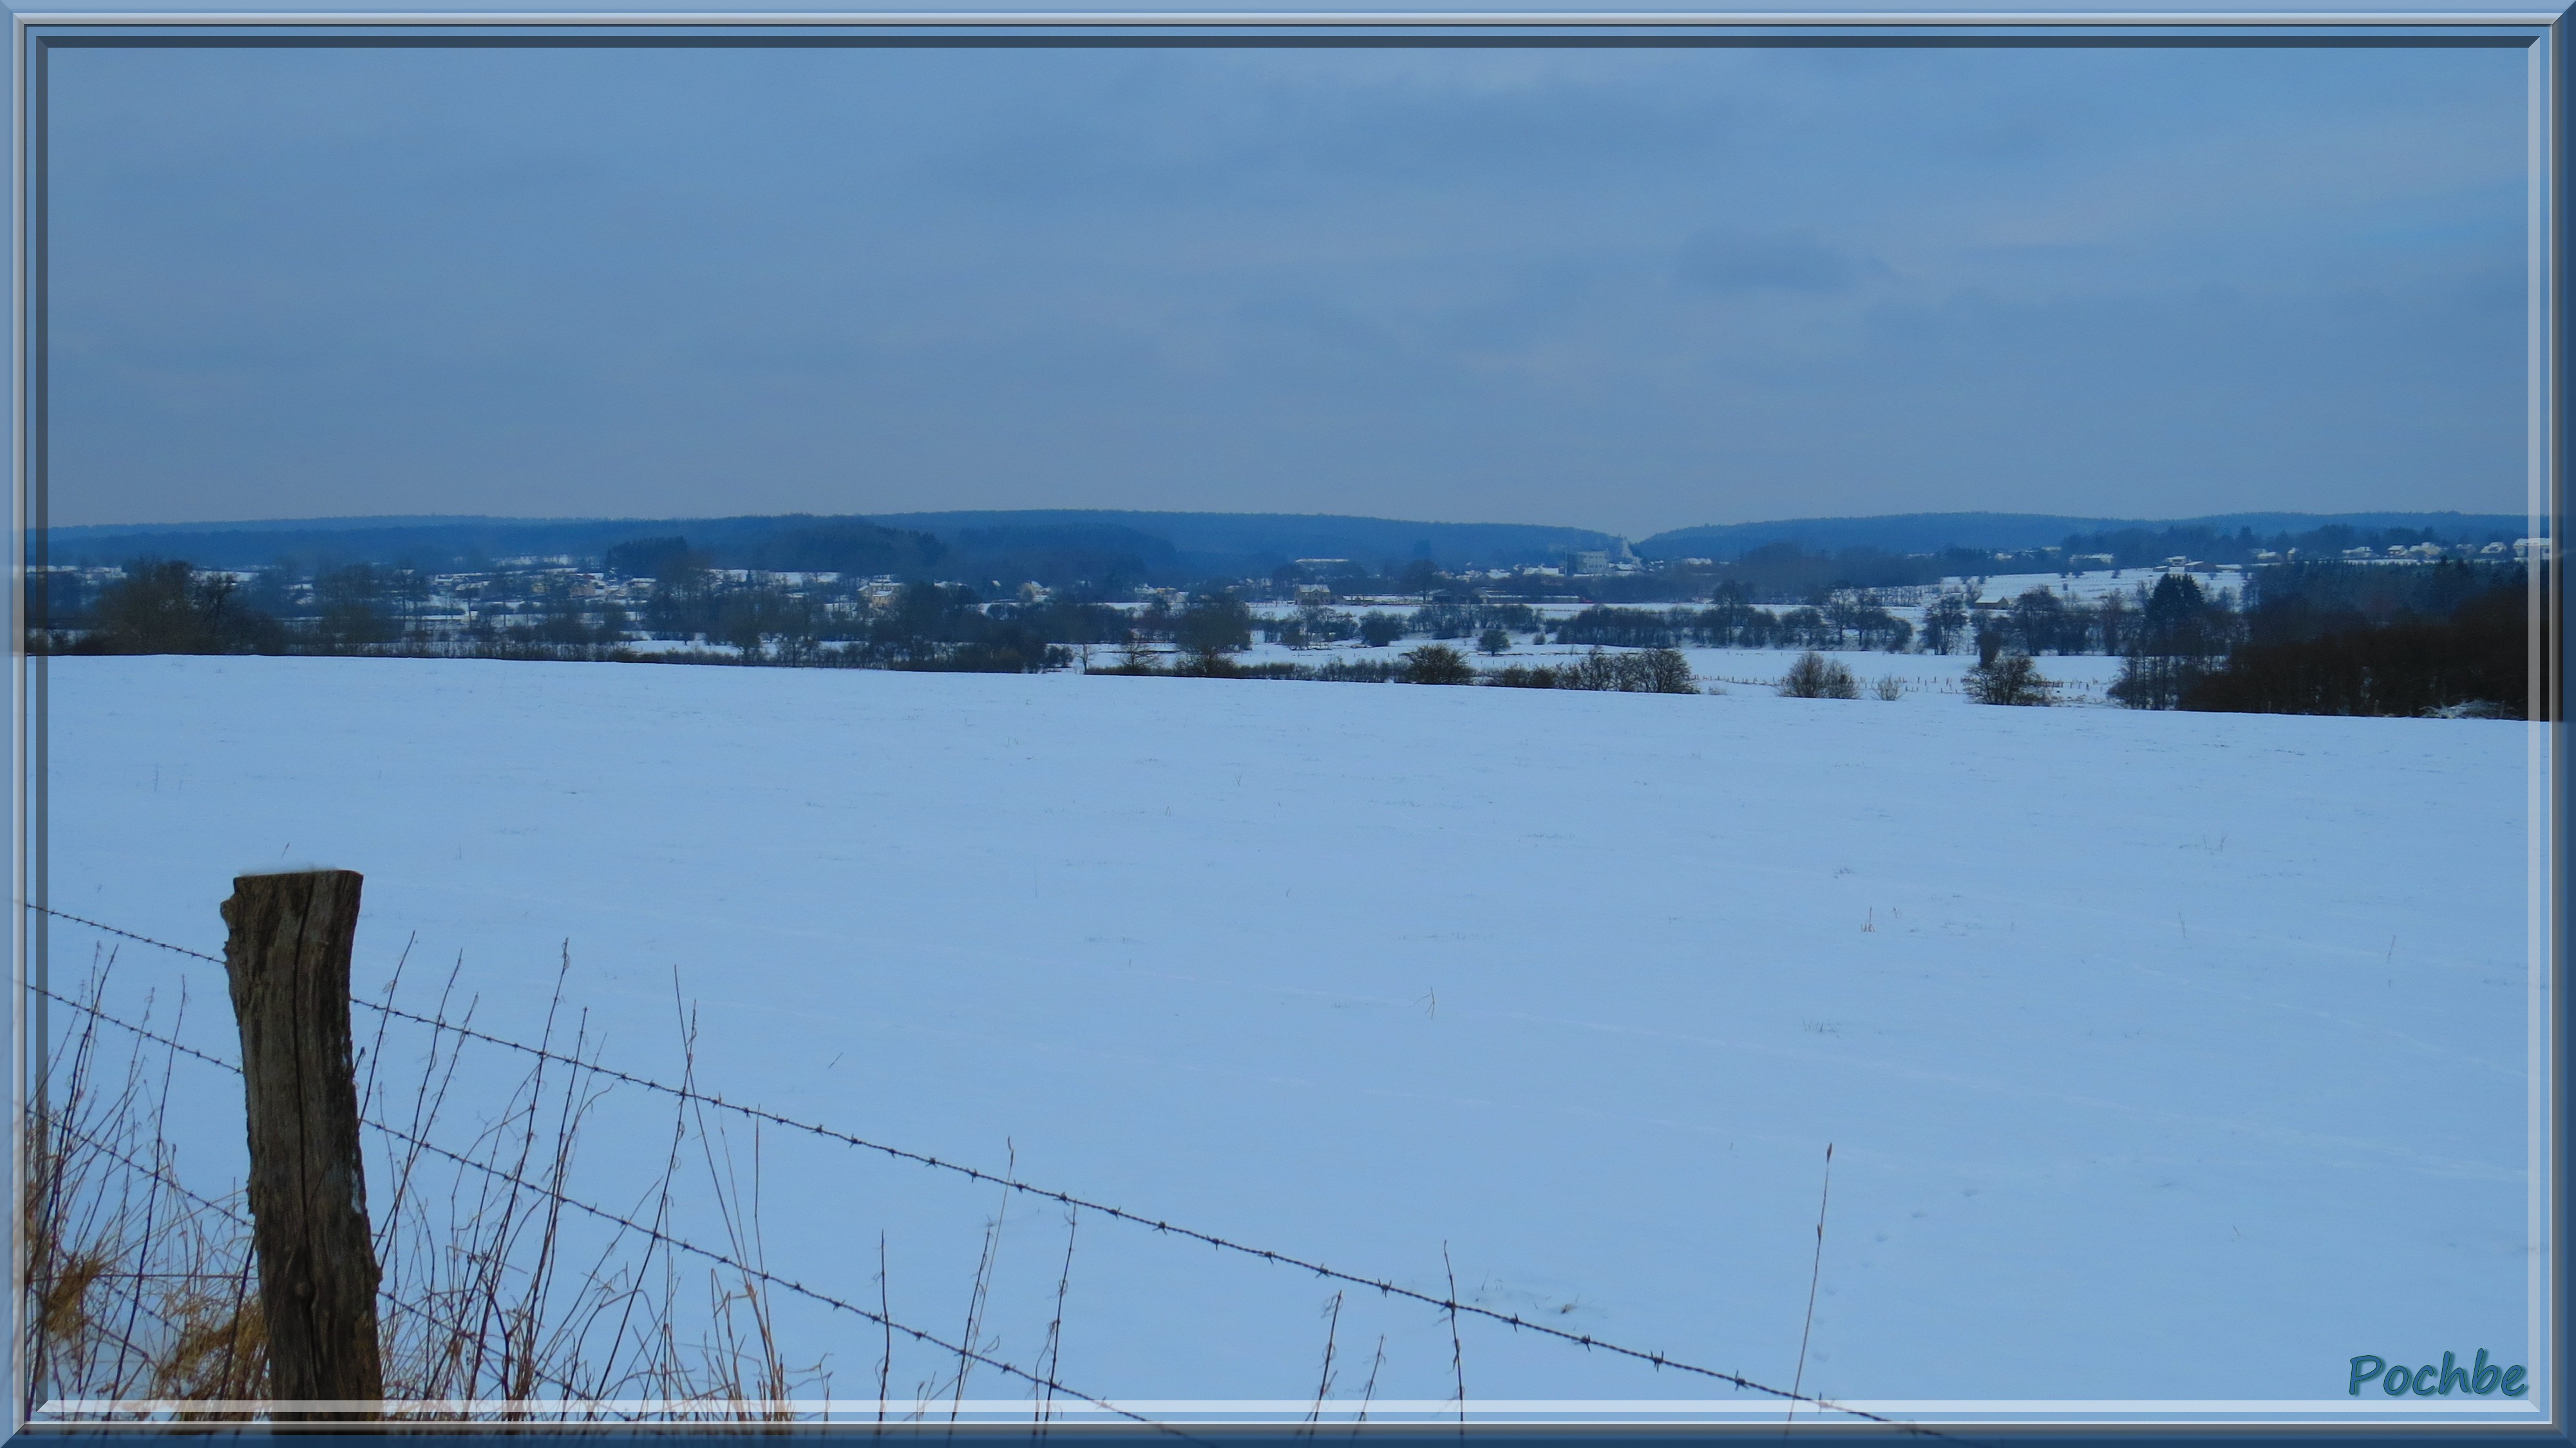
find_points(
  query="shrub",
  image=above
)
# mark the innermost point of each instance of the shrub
(1436, 664)
(1597, 670)
(1890, 687)
(1814, 676)
(1214, 624)
(1645, 671)
(1207, 664)
(167, 607)
(1379, 628)
(1358, 671)
(1664, 671)
(2011, 679)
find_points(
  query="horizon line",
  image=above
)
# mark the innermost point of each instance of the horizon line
(430, 520)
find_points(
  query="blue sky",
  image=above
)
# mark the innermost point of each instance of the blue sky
(1628, 288)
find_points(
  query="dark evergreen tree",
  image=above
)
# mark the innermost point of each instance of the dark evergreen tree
(2337, 639)
(2181, 634)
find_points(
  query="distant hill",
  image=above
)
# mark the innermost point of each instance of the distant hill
(1112, 548)
(309, 525)
(1051, 545)
(1933, 532)
(789, 542)
(1235, 545)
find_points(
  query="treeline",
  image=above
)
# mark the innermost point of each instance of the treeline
(168, 607)
(1647, 671)
(1732, 621)
(1841, 622)
(158, 607)
(2333, 639)
(2040, 621)
(940, 626)
(164, 606)
(2307, 638)
(2322, 638)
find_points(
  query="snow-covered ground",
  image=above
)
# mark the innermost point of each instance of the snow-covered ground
(2167, 1057)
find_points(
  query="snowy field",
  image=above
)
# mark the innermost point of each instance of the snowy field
(2164, 1057)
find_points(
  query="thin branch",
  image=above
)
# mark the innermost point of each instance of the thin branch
(1815, 1274)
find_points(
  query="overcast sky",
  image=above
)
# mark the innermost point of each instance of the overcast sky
(1631, 288)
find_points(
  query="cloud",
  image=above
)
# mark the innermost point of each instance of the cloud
(1655, 286)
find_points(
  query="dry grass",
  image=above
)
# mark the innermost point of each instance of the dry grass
(144, 1292)
(138, 1288)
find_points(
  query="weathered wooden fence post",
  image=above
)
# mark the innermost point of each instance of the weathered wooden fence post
(287, 955)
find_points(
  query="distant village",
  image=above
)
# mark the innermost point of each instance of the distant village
(2319, 624)
(453, 605)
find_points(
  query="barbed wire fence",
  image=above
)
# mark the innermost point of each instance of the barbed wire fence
(688, 1097)
(712, 1255)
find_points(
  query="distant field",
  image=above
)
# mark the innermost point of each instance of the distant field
(2112, 1018)
(2082, 678)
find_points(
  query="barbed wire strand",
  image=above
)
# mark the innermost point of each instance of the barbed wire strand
(385, 1294)
(1382, 1286)
(666, 1239)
